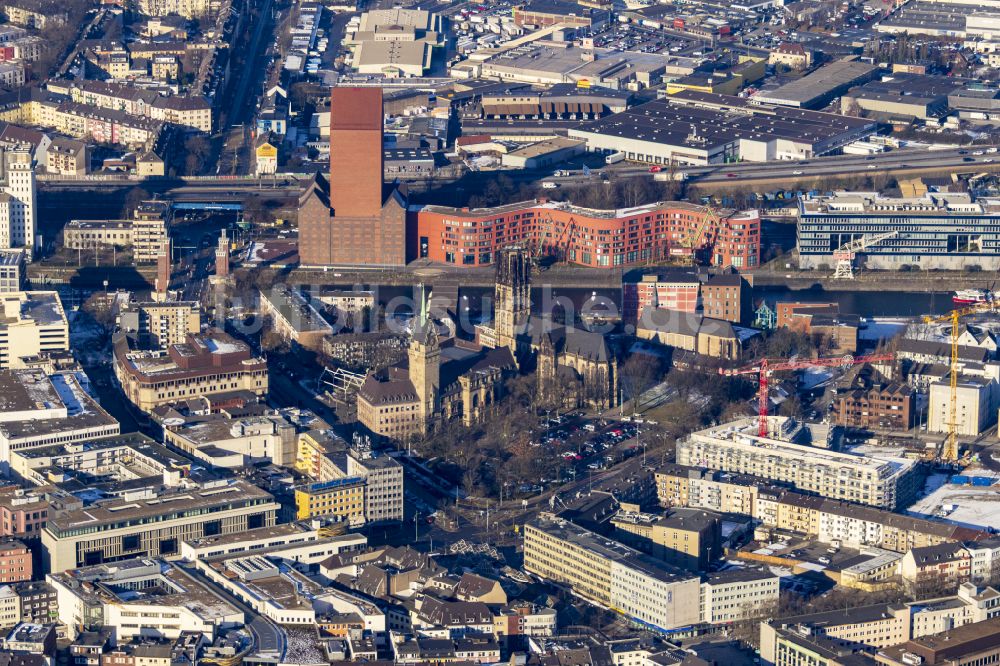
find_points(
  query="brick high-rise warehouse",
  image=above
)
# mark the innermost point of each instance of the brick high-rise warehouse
(361, 221)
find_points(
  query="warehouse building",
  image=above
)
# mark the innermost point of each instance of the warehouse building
(937, 231)
(548, 64)
(902, 97)
(817, 89)
(546, 13)
(563, 101)
(698, 128)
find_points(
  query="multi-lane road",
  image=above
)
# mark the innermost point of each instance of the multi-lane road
(897, 162)
(778, 173)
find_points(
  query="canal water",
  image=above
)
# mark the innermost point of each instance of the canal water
(863, 303)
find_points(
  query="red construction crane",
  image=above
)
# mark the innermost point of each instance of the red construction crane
(766, 367)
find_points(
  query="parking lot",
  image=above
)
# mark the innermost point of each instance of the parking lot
(584, 446)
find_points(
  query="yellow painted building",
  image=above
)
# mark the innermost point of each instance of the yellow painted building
(341, 498)
(721, 84)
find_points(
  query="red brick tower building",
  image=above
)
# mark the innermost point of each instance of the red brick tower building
(163, 267)
(358, 221)
(222, 256)
(356, 152)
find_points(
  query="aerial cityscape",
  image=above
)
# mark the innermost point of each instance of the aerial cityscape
(521, 332)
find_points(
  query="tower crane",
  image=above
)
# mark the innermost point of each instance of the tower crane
(844, 255)
(766, 367)
(950, 452)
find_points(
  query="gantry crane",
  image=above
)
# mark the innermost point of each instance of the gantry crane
(547, 230)
(689, 245)
(844, 255)
(950, 452)
(766, 367)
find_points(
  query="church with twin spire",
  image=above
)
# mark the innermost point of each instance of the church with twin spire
(448, 378)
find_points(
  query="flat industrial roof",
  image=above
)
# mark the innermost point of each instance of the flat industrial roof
(701, 121)
(819, 83)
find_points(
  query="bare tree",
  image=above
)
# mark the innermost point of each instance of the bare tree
(637, 374)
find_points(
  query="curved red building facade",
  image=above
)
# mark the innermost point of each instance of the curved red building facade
(584, 236)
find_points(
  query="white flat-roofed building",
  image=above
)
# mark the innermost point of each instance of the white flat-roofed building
(32, 323)
(38, 409)
(611, 574)
(735, 447)
(738, 594)
(119, 457)
(947, 231)
(141, 597)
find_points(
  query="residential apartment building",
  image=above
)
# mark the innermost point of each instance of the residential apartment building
(610, 573)
(30, 15)
(685, 538)
(186, 8)
(12, 74)
(18, 206)
(15, 561)
(728, 297)
(13, 271)
(883, 625)
(22, 513)
(585, 236)
(852, 525)
(976, 644)
(10, 607)
(880, 406)
(735, 447)
(738, 594)
(38, 602)
(342, 499)
(678, 290)
(207, 364)
(150, 222)
(339, 472)
(34, 323)
(795, 647)
(160, 324)
(120, 528)
(67, 157)
(193, 114)
(936, 566)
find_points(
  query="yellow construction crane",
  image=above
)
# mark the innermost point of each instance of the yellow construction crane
(689, 245)
(950, 452)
